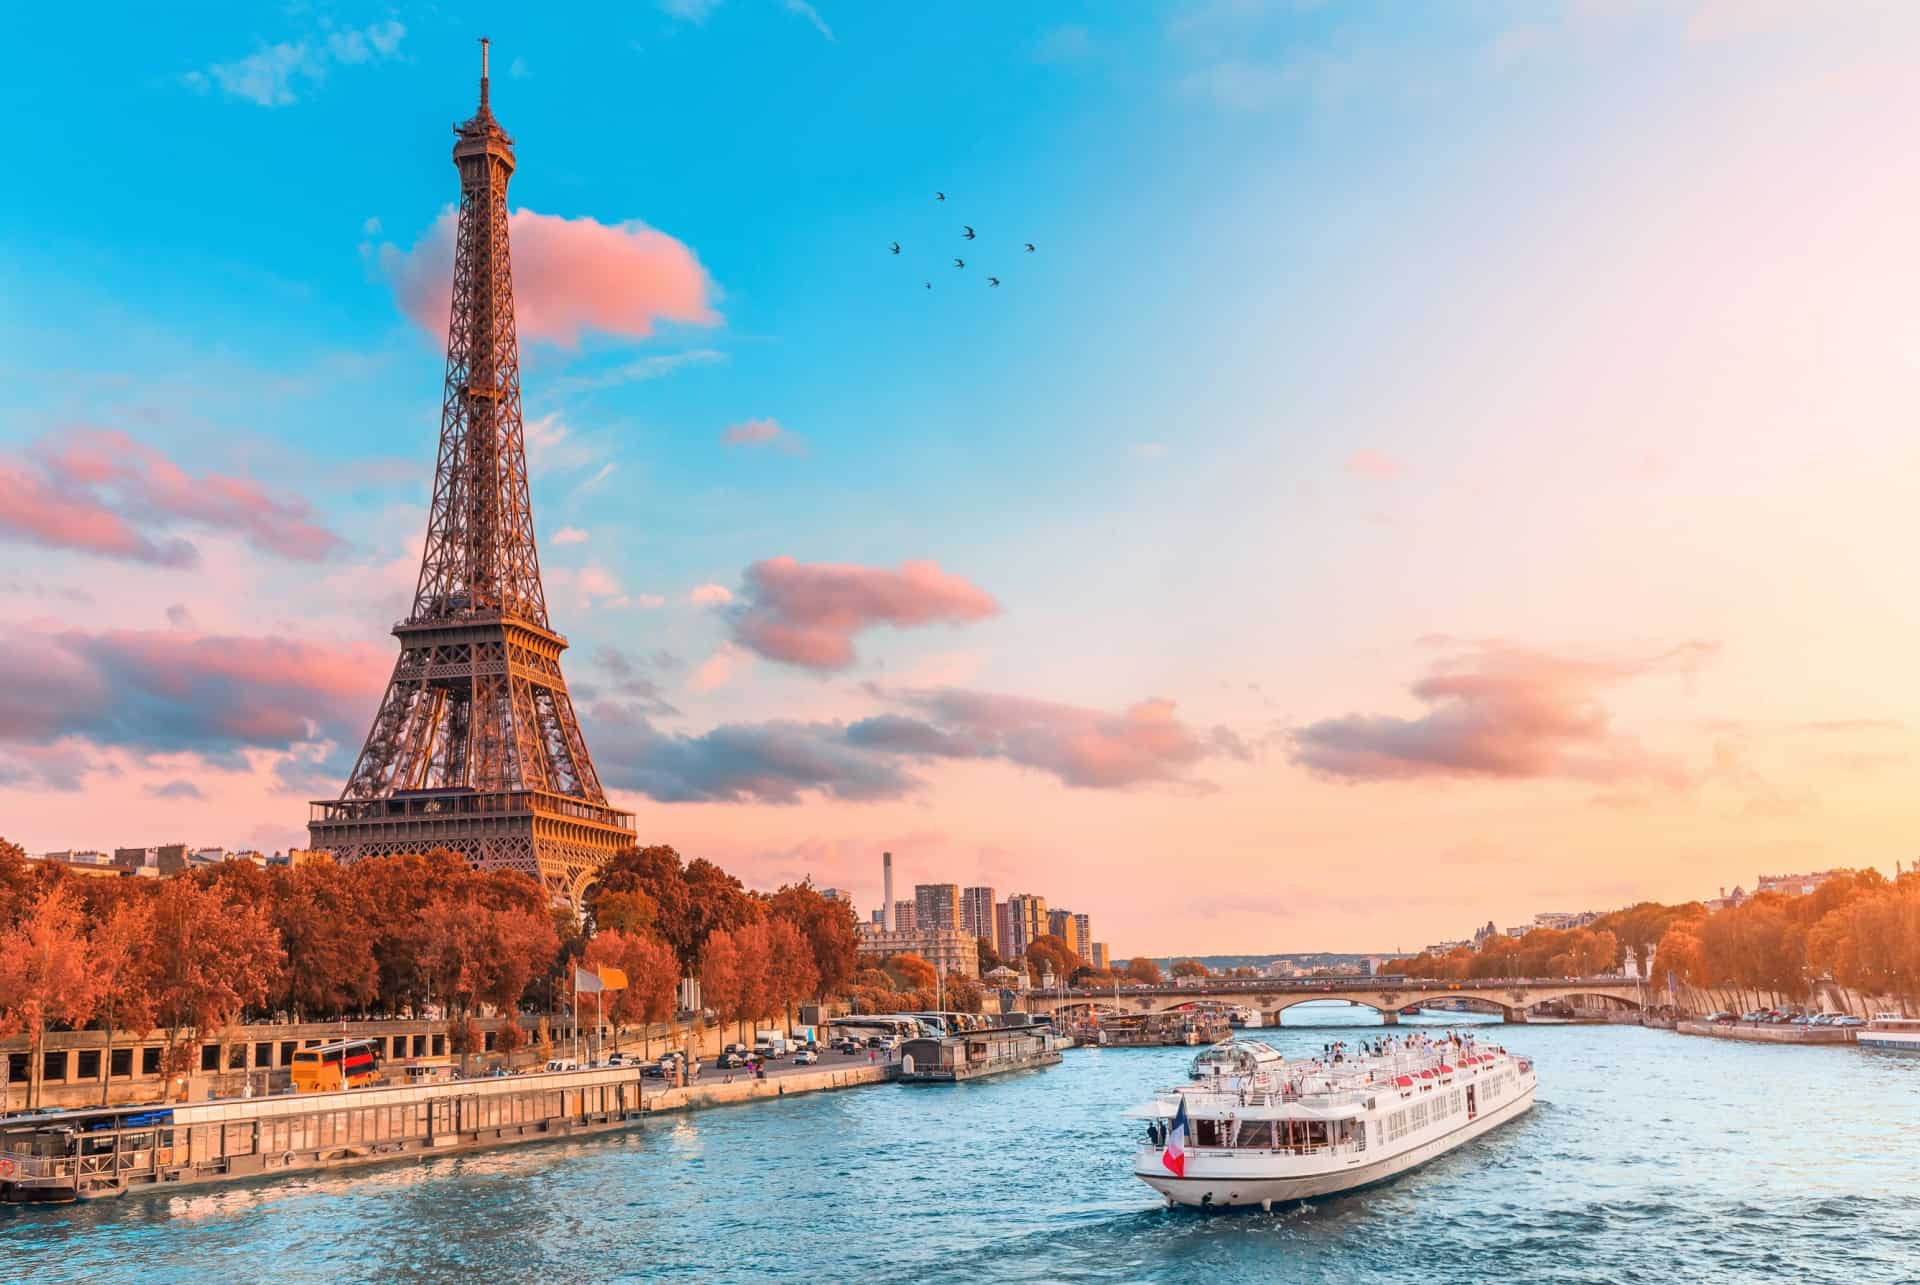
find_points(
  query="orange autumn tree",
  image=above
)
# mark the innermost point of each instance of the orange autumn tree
(208, 959)
(653, 974)
(118, 944)
(46, 974)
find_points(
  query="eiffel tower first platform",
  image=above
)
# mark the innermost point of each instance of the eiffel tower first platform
(476, 746)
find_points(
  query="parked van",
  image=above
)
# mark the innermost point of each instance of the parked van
(768, 1045)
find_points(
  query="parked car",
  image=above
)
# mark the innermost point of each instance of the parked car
(729, 1060)
(1721, 1018)
(805, 1057)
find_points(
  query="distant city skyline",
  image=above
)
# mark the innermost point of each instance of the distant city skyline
(1468, 479)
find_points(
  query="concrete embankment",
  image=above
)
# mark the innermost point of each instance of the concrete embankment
(712, 1090)
(1768, 1034)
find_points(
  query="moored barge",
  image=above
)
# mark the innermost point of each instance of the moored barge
(948, 1059)
(79, 1155)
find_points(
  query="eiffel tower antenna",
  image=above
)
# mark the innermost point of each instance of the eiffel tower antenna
(476, 746)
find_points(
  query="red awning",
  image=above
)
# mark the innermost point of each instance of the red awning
(1404, 1081)
(1426, 1075)
(1445, 1069)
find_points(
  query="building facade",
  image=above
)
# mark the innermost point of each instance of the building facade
(949, 950)
(1026, 922)
(904, 920)
(1101, 957)
(936, 905)
(976, 913)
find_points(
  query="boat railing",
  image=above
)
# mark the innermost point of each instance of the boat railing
(23, 1168)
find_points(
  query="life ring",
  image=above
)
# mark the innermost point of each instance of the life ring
(287, 1159)
(6, 1167)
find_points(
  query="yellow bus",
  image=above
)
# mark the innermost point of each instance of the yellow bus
(344, 1064)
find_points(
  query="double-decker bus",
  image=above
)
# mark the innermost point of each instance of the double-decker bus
(344, 1064)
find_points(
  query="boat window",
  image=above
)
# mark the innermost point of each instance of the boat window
(150, 1060)
(209, 1057)
(89, 1068)
(120, 1065)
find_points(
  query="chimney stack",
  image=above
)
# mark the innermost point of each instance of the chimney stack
(886, 904)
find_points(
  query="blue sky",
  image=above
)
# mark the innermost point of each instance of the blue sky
(1363, 343)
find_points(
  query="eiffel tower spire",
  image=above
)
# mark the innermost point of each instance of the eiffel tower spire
(476, 745)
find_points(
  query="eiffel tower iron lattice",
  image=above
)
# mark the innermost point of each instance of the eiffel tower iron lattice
(476, 746)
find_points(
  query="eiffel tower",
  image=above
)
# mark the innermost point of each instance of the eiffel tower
(475, 746)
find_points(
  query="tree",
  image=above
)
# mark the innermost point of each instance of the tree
(46, 975)
(724, 984)
(1049, 953)
(1143, 970)
(328, 939)
(989, 956)
(909, 972)
(208, 959)
(1190, 968)
(790, 971)
(653, 975)
(126, 997)
(632, 912)
(831, 931)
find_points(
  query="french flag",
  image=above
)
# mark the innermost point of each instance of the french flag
(1175, 1156)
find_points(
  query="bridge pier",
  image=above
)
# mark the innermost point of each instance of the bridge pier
(1390, 1016)
(1514, 1016)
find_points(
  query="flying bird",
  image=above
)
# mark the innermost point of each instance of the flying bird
(993, 281)
(939, 196)
(1029, 248)
(967, 232)
(896, 247)
(959, 263)
(927, 284)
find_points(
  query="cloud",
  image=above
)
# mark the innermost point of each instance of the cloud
(779, 762)
(551, 445)
(710, 595)
(174, 690)
(774, 763)
(641, 694)
(801, 9)
(808, 613)
(717, 670)
(1371, 464)
(569, 535)
(99, 491)
(271, 74)
(695, 11)
(1085, 748)
(177, 789)
(571, 277)
(179, 617)
(653, 366)
(1501, 713)
(764, 433)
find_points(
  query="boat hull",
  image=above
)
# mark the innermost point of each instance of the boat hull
(1221, 1182)
(1896, 1041)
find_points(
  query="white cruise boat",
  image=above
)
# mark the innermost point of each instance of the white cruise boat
(1891, 1031)
(1254, 1128)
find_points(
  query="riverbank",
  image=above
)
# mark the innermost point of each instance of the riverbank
(1756, 1034)
(714, 1090)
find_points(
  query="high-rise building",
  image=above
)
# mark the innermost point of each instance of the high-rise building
(976, 912)
(1070, 928)
(842, 896)
(1083, 937)
(1026, 922)
(475, 746)
(936, 905)
(904, 920)
(1002, 931)
(1101, 957)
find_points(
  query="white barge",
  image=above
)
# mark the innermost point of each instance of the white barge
(1254, 1128)
(1890, 1031)
(78, 1155)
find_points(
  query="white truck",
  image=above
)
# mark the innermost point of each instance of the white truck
(771, 1044)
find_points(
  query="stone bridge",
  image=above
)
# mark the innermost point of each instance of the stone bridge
(1511, 998)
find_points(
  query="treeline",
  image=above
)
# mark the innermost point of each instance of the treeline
(192, 954)
(1859, 929)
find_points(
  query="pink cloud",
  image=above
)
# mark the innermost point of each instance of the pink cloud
(764, 432)
(1088, 748)
(172, 689)
(1499, 712)
(808, 613)
(96, 489)
(710, 595)
(1374, 465)
(38, 511)
(570, 276)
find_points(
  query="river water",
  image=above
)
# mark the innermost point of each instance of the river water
(1649, 1156)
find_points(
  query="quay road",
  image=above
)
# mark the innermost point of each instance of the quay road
(1511, 997)
(710, 1072)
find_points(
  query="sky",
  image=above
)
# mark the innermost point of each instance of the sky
(1437, 464)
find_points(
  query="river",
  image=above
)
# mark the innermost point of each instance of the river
(1649, 1156)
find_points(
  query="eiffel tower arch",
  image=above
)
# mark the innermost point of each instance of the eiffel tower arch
(475, 746)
